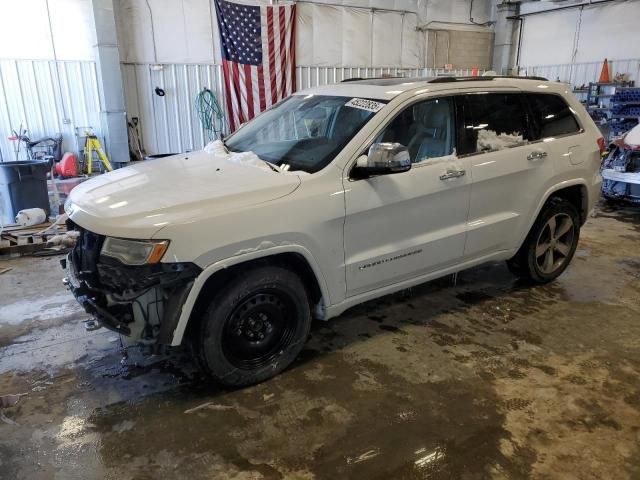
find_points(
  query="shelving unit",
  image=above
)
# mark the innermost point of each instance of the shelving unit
(615, 107)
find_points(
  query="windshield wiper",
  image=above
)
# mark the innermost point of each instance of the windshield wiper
(224, 144)
(271, 166)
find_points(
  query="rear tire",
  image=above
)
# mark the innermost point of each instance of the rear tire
(254, 327)
(550, 245)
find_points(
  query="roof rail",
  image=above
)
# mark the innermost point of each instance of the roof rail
(480, 79)
(357, 79)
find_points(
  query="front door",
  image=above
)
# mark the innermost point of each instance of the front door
(401, 226)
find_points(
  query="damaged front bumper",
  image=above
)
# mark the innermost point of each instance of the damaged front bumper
(141, 302)
(621, 174)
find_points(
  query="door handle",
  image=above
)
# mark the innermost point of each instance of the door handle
(537, 155)
(452, 174)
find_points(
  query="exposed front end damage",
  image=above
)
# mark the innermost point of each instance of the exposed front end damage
(621, 173)
(142, 302)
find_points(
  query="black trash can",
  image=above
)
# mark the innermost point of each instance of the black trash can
(23, 185)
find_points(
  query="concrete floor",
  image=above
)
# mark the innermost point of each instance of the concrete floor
(488, 378)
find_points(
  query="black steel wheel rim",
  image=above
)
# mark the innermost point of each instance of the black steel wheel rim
(258, 329)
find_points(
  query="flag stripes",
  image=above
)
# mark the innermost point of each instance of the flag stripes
(258, 57)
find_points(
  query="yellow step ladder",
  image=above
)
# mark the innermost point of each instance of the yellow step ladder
(92, 144)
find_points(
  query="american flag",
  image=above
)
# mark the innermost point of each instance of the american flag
(258, 56)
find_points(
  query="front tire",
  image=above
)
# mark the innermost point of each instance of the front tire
(550, 245)
(255, 327)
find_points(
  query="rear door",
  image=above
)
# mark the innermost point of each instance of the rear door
(552, 121)
(509, 167)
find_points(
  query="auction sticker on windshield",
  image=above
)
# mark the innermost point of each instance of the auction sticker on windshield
(364, 104)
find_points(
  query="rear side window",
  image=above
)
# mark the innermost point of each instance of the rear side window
(550, 116)
(491, 121)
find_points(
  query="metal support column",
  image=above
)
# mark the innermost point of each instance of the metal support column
(112, 107)
(506, 38)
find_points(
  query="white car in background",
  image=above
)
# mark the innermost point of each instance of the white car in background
(621, 168)
(335, 196)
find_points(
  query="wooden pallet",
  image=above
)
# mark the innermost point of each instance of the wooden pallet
(16, 239)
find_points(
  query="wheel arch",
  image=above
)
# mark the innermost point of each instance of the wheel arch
(577, 195)
(574, 191)
(293, 257)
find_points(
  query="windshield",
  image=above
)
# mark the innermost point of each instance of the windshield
(304, 132)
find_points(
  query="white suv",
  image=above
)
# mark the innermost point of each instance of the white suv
(336, 195)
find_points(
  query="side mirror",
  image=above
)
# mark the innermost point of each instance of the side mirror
(383, 159)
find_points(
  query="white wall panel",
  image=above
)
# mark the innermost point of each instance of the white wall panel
(387, 44)
(329, 35)
(454, 12)
(18, 18)
(356, 44)
(412, 43)
(182, 31)
(186, 32)
(25, 33)
(592, 33)
(547, 38)
(609, 31)
(72, 26)
(326, 24)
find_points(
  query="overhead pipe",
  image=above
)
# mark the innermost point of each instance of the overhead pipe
(566, 7)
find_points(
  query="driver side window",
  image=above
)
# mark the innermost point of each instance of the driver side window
(425, 128)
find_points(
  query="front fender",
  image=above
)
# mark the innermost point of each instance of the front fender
(244, 256)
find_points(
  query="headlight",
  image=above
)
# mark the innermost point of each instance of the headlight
(68, 207)
(134, 252)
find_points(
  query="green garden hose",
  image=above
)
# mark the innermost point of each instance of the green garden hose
(210, 114)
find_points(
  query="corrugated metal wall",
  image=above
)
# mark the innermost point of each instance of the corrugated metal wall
(170, 124)
(47, 97)
(578, 74)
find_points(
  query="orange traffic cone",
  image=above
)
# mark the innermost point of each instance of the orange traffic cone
(604, 74)
(474, 71)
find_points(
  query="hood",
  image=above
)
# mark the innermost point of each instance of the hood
(138, 200)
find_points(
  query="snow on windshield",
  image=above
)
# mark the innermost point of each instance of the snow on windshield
(218, 149)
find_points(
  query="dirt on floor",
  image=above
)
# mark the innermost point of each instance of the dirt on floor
(478, 376)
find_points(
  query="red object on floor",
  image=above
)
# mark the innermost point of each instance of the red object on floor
(604, 74)
(68, 166)
(474, 71)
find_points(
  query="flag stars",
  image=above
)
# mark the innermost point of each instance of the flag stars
(240, 32)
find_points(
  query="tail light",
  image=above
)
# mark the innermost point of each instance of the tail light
(602, 145)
